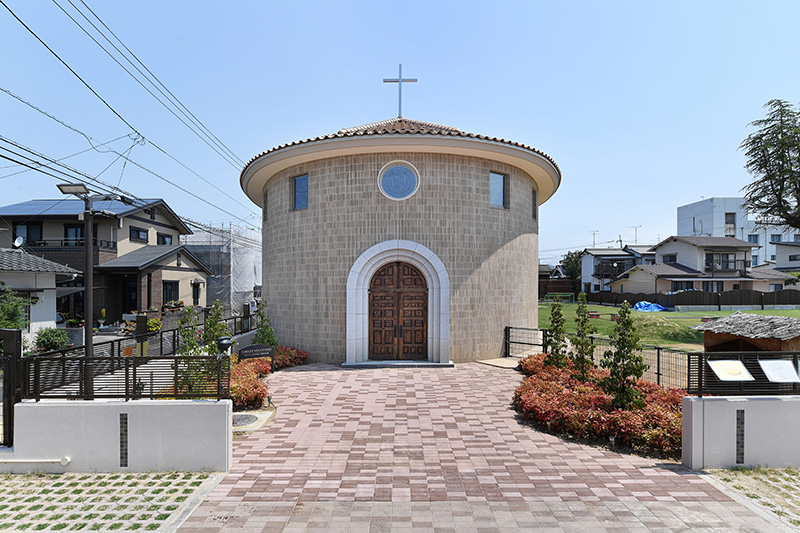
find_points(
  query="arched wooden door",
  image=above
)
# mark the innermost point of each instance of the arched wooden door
(398, 311)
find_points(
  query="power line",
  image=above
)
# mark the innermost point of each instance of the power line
(225, 156)
(138, 136)
(114, 110)
(175, 98)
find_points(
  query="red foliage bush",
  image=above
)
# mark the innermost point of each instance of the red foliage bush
(555, 398)
(259, 365)
(286, 356)
(247, 389)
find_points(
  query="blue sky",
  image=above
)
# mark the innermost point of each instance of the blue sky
(642, 104)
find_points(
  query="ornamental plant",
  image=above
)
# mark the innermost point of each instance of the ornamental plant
(558, 400)
(247, 389)
(556, 338)
(582, 343)
(51, 339)
(286, 356)
(264, 332)
(624, 362)
(12, 309)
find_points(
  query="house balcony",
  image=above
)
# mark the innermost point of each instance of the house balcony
(730, 266)
(70, 243)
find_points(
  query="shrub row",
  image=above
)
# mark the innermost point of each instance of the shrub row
(247, 389)
(286, 356)
(554, 398)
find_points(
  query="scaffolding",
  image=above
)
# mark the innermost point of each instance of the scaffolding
(233, 254)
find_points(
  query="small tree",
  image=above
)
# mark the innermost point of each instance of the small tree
(213, 328)
(624, 363)
(189, 332)
(12, 309)
(572, 268)
(582, 343)
(264, 332)
(556, 339)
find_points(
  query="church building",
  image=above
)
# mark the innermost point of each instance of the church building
(400, 240)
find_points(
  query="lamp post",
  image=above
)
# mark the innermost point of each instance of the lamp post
(81, 191)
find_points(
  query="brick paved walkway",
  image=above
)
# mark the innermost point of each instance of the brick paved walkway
(440, 450)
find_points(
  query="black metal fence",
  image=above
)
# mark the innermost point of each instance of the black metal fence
(666, 366)
(10, 388)
(704, 381)
(126, 377)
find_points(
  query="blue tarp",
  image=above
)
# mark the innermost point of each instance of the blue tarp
(647, 307)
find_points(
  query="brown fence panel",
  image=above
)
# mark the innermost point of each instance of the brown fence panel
(696, 298)
(741, 297)
(784, 297)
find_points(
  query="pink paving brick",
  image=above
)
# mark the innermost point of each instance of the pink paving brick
(427, 435)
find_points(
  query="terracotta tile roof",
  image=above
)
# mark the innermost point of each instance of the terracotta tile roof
(403, 126)
(20, 261)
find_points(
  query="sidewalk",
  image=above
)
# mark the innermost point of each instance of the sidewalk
(441, 450)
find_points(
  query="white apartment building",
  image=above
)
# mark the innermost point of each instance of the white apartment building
(727, 217)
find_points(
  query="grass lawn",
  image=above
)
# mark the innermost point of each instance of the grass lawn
(661, 329)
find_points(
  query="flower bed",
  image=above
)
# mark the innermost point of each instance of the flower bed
(286, 356)
(555, 399)
(247, 389)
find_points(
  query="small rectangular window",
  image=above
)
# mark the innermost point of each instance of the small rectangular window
(31, 232)
(535, 204)
(797, 237)
(794, 258)
(775, 287)
(497, 190)
(755, 259)
(672, 258)
(775, 237)
(138, 234)
(300, 192)
(752, 238)
(682, 286)
(170, 292)
(164, 238)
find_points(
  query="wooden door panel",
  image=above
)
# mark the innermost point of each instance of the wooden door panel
(398, 307)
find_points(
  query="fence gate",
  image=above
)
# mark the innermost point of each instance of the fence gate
(11, 384)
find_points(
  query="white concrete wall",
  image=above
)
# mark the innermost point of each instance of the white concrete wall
(163, 435)
(771, 432)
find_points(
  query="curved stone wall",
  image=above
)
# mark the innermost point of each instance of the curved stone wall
(490, 254)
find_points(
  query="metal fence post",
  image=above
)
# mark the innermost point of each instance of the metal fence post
(12, 379)
(658, 365)
(506, 341)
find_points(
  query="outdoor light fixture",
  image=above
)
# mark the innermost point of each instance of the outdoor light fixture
(77, 189)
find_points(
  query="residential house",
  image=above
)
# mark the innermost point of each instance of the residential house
(139, 261)
(728, 217)
(711, 264)
(35, 279)
(600, 266)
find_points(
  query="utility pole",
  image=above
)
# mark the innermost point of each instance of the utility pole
(636, 234)
(620, 241)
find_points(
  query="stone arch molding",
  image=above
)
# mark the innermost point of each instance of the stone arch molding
(438, 282)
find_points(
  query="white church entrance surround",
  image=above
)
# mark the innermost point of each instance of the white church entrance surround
(438, 283)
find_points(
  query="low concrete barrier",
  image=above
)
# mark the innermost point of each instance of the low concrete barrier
(113, 435)
(728, 431)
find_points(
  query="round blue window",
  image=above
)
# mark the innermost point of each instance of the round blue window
(398, 180)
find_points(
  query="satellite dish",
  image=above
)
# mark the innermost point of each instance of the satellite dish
(18, 242)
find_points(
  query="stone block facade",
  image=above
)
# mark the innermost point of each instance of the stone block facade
(490, 253)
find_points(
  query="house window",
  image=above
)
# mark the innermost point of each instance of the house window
(736, 286)
(300, 192)
(196, 294)
(164, 238)
(797, 237)
(170, 292)
(138, 234)
(713, 286)
(755, 259)
(535, 196)
(775, 237)
(720, 261)
(772, 258)
(730, 218)
(753, 238)
(682, 286)
(179, 259)
(73, 235)
(497, 190)
(775, 287)
(596, 287)
(31, 232)
(794, 258)
(671, 258)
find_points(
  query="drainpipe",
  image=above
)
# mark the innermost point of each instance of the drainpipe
(64, 461)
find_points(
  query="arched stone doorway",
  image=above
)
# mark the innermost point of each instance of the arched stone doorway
(438, 298)
(398, 314)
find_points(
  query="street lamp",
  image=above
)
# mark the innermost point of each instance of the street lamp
(81, 191)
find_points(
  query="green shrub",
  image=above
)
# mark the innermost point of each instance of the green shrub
(264, 332)
(50, 339)
(555, 398)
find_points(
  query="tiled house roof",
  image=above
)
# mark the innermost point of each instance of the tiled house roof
(404, 126)
(754, 326)
(21, 261)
